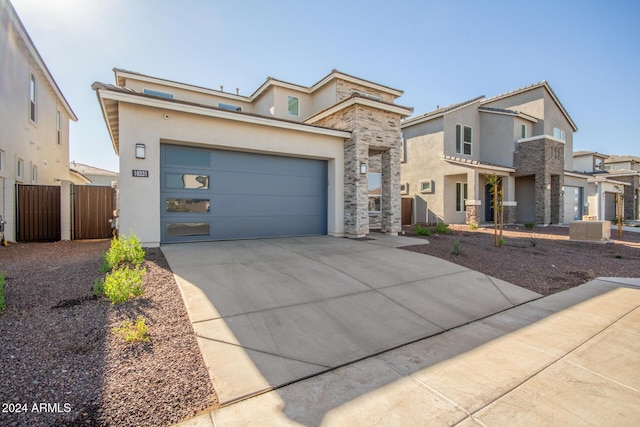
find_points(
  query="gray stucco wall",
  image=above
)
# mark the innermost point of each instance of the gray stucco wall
(497, 138)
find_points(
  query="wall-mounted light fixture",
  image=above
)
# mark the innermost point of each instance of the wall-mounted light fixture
(141, 151)
(363, 168)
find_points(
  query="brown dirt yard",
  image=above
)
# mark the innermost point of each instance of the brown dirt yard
(60, 362)
(543, 260)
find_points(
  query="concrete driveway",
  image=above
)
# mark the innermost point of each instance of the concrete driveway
(270, 312)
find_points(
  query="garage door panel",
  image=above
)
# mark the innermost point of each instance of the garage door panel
(267, 226)
(253, 163)
(268, 205)
(240, 195)
(238, 183)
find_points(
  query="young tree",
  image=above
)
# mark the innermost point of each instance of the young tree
(494, 181)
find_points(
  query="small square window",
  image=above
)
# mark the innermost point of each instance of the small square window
(426, 186)
(404, 188)
(293, 106)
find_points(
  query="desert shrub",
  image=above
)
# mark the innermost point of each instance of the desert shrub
(533, 241)
(2, 303)
(473, 226)
(421, 231)
(123, 250)
(456, 247)
(529, 225)
(501, 241)
(442, 228)
(133, 331)
(122, 284)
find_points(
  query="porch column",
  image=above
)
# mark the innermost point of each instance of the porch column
(509, 199)
(543, 198)
(391, 203)
(473, 204)
(356, 190)
(65, 210)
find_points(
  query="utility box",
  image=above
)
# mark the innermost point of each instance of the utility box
(593, 231)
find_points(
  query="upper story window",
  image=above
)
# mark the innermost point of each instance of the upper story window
(58, 128)
(229, 107)
(558, 134)
(157, 93)
(523, 131)
(2, 160)
(597, 165)
(403, 149)
(20, 169)
(293, 106)
(463, 139)
(34, 173)
(33, 92)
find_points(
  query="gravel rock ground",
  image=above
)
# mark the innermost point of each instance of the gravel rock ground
(60, 362)
(554, 264)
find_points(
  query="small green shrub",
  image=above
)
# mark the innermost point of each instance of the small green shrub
(134, 331)
(501, 241)
(123, 283)
(442, 228)
(473, 226)
(421, 231)
(529, 225)
(533, 241)
(2, 303)
(618, 256)
(123, 250)
(98, 287)
(456, 247)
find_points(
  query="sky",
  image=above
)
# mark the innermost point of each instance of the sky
(437, 52)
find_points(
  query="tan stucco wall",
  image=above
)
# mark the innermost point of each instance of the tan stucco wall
(466, 116)
(497, 138)
(139, 124)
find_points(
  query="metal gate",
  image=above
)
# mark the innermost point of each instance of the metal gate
(92, 209)
(37, 213)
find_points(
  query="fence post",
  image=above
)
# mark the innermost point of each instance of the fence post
(65, 210)
(9, 206)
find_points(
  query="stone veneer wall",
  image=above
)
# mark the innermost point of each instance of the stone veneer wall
(543, 158)
(510, 214)
(344, 88)
(473, 214)
(376, 130)
(630, 202)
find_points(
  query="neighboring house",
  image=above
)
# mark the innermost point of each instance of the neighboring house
(34, 118)
(202, 164)
(96, 176)
(610, 175)
(525, 137)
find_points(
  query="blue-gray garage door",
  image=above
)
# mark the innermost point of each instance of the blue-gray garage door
(217, 195)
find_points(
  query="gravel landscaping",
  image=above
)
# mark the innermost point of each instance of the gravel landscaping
(61, 364)
(543, 260)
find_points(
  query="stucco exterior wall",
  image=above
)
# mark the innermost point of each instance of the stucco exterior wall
(324, 97)
(583, 164)
(140, 124)
(497, 138)
(530, 102)
(466, 116)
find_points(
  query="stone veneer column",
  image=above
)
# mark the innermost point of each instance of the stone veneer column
(391, 203)
(474, 208)
(356, 189)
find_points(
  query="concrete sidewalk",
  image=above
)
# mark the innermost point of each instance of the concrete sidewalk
(271, 312)
(567, 359)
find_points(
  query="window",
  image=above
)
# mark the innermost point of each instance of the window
(523, 131)
(461, 196)
(597, 165)
(229, 107)
(2, 157)
(463, 140)
(375, 192)
(20, 169)
(606, 167)
(188, 205)
(558, 134)
(33, 98)
(403, 149)
(187, 181)
(293, 106)
(58, 128)
(34, 173)
(157, 93)
(404, 188)
(183, 229)
(426, 186)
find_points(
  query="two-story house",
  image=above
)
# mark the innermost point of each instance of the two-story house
(525, 137)
(287, 160)
(627, 169)
(34, 118)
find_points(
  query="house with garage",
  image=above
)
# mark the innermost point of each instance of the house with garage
(288, 160)
(524, 137)
(34, 118)
(610, 175)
